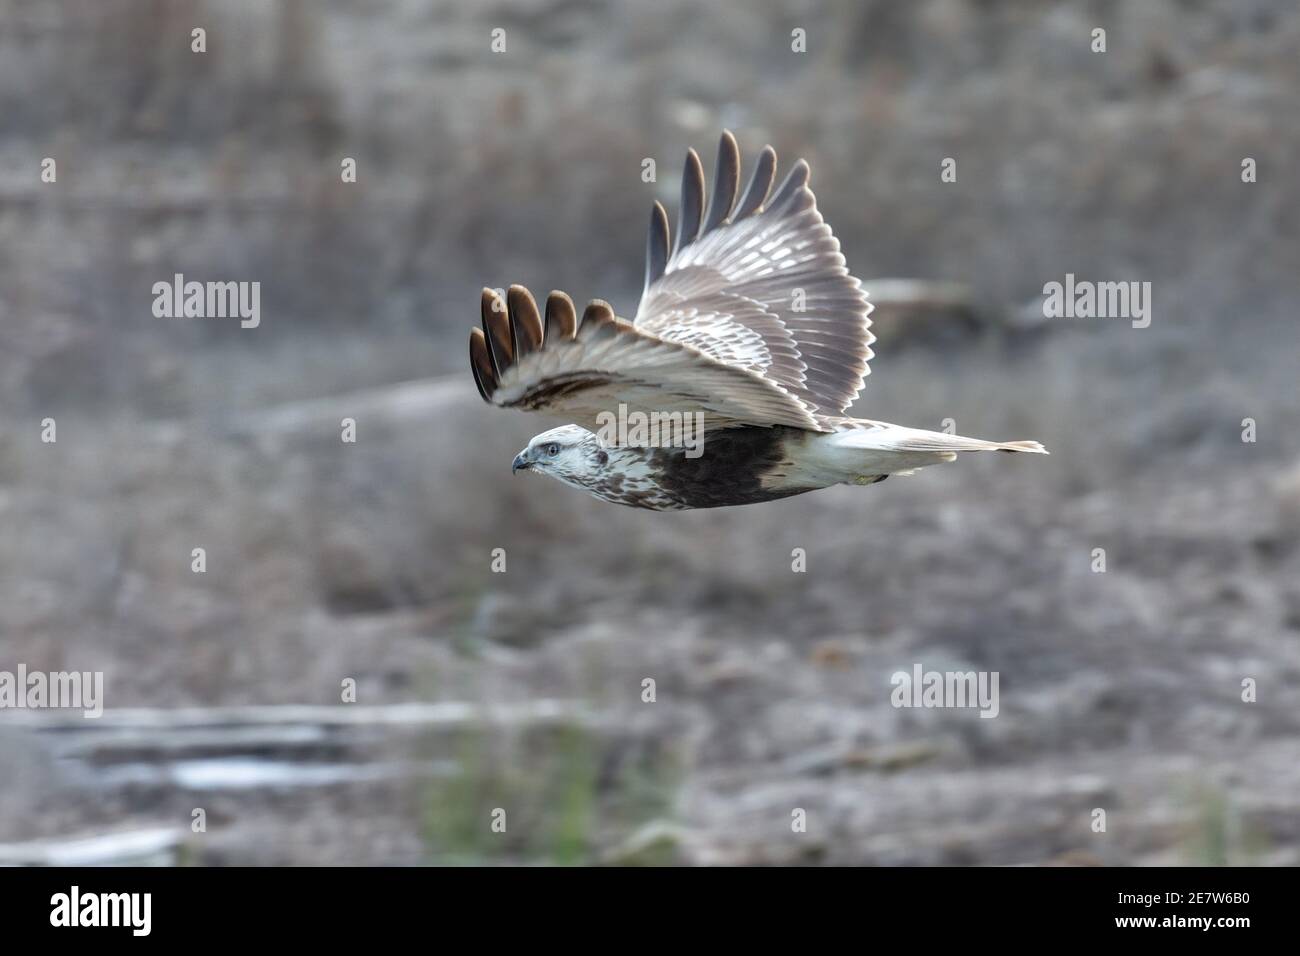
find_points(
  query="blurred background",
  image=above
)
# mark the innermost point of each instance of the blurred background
(522, 690)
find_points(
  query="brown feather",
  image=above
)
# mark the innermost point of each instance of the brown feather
(561, 318)
(525, 322)
(598, 319)
(480, 363)
(496, 326)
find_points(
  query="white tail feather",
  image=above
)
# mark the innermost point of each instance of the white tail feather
(863, 449)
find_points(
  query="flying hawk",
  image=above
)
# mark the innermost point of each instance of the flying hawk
(750, 341)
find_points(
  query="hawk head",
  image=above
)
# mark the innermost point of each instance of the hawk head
(570, 453)
(615, 473)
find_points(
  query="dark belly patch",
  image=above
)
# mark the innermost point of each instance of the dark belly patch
(730, 470)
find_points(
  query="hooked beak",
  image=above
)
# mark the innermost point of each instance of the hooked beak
(521, 461)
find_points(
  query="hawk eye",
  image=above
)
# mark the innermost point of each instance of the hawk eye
(552, 449)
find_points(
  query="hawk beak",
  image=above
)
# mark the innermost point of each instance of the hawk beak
(519, 462)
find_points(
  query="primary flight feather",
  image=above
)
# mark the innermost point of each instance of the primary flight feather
(730, 385)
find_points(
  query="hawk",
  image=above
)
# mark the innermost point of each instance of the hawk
(750, 342)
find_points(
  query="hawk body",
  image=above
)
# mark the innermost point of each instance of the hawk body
(741, 466)
(749, 322)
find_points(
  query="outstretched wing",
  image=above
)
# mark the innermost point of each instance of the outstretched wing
(759, 284)
(560, 365)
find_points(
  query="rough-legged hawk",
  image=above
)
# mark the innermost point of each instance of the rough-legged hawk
(730, 385)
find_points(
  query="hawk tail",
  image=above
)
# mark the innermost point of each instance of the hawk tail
(882, 436)
(859, 450)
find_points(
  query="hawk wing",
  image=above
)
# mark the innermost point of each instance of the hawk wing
(560, 365)
(760, 284)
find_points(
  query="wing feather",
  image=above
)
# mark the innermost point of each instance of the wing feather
(480, 363)
(561, 317)
(725, 178)
(748, 315)
(525, 322)
(580, 369)
(656, 247)
(760, 184)
(764, 287)
(692, 207)
(496, 329)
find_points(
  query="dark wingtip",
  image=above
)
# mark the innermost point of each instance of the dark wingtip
(726, 178)
(480, 363)
(795, 180)
(657, 243)
(598, 310)
(496, 327)
(561, 317)
(691, 212)
(525, 322)
(597, 318)
(760, 184)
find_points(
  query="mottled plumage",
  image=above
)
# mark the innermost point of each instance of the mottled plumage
(749, 324)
